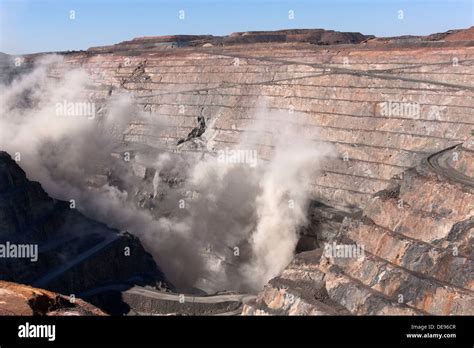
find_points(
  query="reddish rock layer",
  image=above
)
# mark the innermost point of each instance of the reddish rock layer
(23, 300)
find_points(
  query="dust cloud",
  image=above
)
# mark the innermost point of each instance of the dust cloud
(231, 221)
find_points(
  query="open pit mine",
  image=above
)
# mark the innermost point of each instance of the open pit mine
(293, 172)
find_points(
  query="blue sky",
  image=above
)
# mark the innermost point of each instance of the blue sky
(28, 26)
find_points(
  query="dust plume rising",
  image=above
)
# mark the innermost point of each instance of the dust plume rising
(230, 222)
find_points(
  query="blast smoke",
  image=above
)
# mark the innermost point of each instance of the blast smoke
(221, 225)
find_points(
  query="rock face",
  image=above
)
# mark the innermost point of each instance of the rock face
(418, 258)
(23, 300)
(73, 253)
(396, 111)
(382, 107)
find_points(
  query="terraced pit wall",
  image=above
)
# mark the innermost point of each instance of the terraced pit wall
(383, 108)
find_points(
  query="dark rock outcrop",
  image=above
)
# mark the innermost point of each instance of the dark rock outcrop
(74, 254)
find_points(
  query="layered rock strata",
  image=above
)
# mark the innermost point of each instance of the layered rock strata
(382, 108)
(417, 258)
(385, 105)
